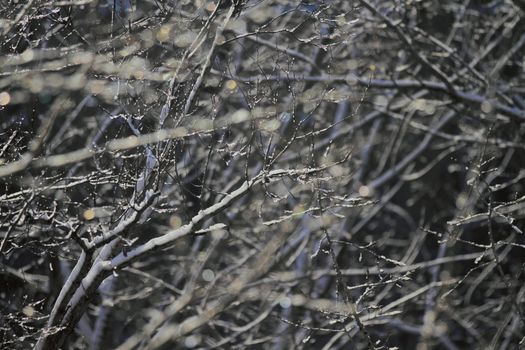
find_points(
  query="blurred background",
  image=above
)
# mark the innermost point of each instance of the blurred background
(122, 121)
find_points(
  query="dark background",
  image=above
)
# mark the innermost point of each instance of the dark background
(409, 236)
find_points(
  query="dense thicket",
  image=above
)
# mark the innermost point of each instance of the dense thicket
(263, 174)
